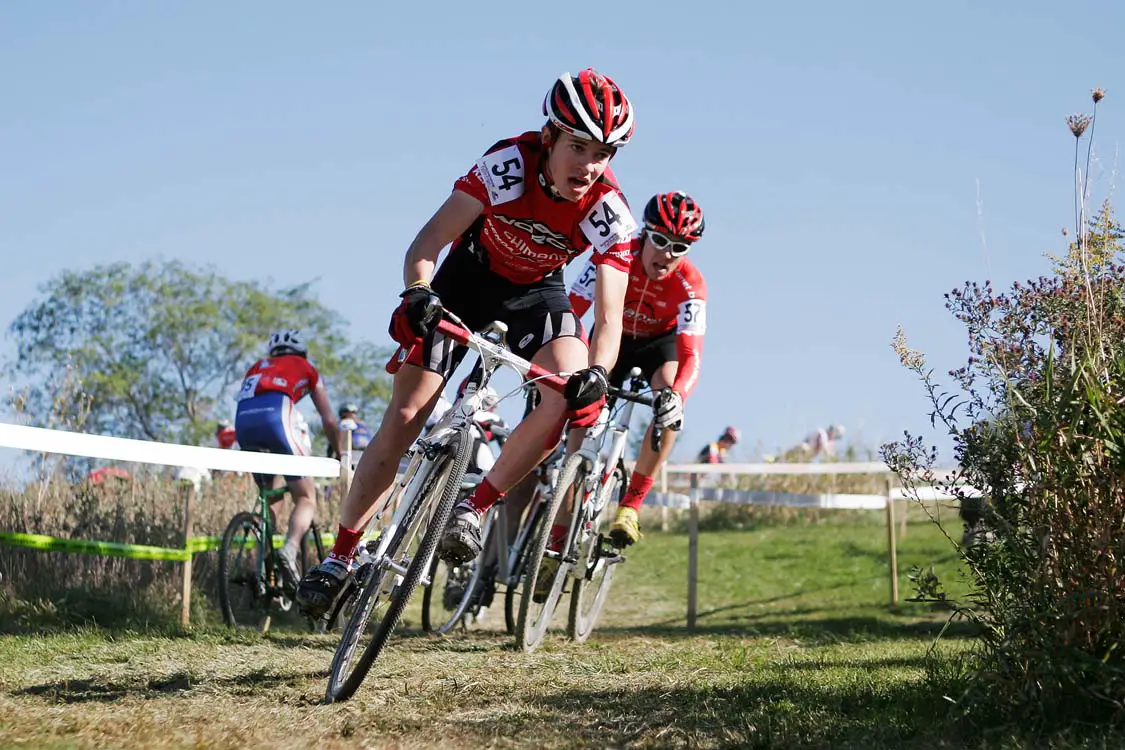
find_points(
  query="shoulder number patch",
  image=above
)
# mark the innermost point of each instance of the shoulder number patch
(584, 285)
(502, 174)
(693, 317)
(609, 223)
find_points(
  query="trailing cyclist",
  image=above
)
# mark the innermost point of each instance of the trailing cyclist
(665, 319)
(530, 205)
(716, 452)
(267, 421)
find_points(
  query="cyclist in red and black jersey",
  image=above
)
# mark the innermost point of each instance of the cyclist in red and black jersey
(267, 421)
(529, 206)
(665, 319)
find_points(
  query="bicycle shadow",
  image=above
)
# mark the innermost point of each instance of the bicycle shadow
(813, 631)
(98, 690)
(827, 623)
(778, 708)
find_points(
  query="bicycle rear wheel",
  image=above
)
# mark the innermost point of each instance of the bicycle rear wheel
(410, 549)
(594, 572)
(312, 553)
(453, 594)
(535, 617)
(244, 585)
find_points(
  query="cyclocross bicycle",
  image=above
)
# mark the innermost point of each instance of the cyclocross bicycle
(251, 586)
(392, 565)
(458, 595)
(590, 478)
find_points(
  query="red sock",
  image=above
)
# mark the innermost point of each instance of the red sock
(346, 541)
(558, 536)
(485, 495)
(639, 485)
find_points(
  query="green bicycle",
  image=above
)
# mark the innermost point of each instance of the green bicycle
(251, 586)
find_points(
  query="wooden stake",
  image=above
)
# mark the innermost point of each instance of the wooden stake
(185, 612)
(693, 552)
(891, 543)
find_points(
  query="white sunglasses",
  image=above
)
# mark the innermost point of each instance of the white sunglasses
(666, 244)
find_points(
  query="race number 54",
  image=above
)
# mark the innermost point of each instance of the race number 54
(502, 174)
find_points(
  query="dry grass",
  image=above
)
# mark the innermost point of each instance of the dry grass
(44, 588)
(795, 647)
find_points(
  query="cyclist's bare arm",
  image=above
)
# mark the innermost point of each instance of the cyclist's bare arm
(319, 397)
(454, 216)
(609, 305)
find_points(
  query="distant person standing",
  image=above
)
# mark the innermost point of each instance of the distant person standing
(349, 420)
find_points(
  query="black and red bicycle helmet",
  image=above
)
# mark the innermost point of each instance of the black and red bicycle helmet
(590, 106)
(675, 214)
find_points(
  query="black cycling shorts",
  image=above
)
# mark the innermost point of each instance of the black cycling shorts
(536, 313)
(648, 354)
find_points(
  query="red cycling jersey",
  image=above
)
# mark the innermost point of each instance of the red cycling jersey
(290, 374)
(654, 308)
(526, 233)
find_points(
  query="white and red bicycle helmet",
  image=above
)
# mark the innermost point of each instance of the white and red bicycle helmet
(287, 342)
(590, 106)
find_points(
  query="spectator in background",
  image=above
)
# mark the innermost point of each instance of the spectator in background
(349, 420)
(225, 435)
(822, 442)
(716, 452)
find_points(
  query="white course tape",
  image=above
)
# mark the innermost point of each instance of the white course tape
(760, 497)
(143, 451)
(871, 467)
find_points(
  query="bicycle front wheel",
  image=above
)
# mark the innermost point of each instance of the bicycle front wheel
(392, 580)
(594, 572)
(538, 600)
(244, 586)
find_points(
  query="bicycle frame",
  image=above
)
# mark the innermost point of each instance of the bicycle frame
(602, 450)
(489, 344)
(507, 555)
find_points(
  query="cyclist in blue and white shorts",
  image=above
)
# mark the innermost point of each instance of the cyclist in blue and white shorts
(267, 421)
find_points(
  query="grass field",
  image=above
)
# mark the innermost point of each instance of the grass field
(795, 647)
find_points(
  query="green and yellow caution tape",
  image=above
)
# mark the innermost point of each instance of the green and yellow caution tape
(195, 545)
(103, 549)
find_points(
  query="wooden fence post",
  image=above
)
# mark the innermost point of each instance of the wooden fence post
(891, 543)
(185, 612)
(693, 552)
(346, 463)
(905, 513)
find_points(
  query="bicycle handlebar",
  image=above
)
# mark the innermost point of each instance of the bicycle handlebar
(452, 327)
(637, 398)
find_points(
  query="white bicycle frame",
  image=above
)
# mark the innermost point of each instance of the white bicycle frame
(601, 450)
(505, 554)
(489, 344)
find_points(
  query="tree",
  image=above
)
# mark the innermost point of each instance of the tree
(158, 347)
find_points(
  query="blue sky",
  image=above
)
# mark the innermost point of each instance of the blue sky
(847, 156)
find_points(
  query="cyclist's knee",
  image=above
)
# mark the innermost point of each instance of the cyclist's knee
(414, 396)
(566, 354)
(303, 491)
